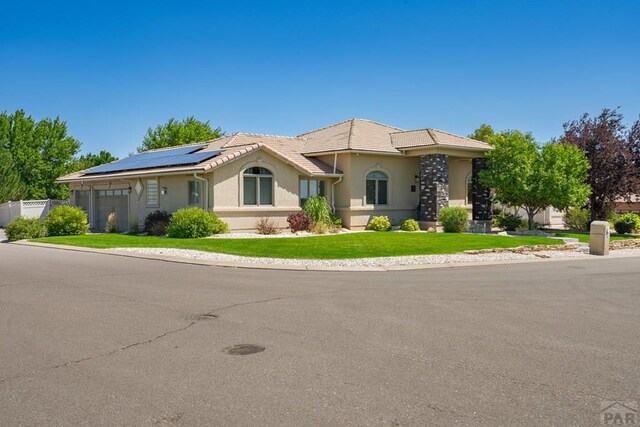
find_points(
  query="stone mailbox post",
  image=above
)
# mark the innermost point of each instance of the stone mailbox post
(599, 238)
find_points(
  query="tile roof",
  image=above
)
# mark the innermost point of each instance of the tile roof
(288, 148)
(429, 137)
(298, 151)
(354, 134)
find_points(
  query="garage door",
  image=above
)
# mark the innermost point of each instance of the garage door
(108, 201)
(83, 198)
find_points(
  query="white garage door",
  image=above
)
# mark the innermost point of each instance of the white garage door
(108, 201)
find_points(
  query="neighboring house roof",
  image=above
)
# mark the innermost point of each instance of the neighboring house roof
(357, 135)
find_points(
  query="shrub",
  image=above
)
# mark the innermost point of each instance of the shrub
(627, 223)
(336, 220)
(66, 221)
(509, 221)
(577, 219)
(266, 226)
(409, 224)
(25, 228)
(191, 223)
(112, 223)
(156, 223)
(134, 227)
(379, 223)
(454, 219)
(318, 209)
(299, 221)
(319, 228)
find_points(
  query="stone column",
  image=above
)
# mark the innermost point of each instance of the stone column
(434, 185)
(481, 195)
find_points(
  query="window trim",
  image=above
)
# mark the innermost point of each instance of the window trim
(258, 179)
(377, 180)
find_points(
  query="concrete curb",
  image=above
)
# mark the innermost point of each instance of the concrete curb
(293, 267)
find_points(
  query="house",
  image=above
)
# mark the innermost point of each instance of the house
(630, 204)
(364, 169)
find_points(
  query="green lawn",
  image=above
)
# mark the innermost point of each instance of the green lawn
(583, 236)
(351, 245)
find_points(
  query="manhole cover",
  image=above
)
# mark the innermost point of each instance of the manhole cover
(244, 349)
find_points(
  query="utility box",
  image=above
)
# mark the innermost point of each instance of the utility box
(599, 238)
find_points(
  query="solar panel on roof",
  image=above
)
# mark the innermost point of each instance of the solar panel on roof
(164, 158)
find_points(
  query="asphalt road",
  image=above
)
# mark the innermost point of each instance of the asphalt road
(97, 339)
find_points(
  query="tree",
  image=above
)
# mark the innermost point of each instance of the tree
(11, 185)
(90, 160)
(483, 133)
(607, 144)
(633, 145)
(41, 152)
(175, 133)
(524, 176)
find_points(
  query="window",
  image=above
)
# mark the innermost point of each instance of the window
(195, 191)
(469, 189)
(152, 192)
(310, 187)
(258, 186)
(377, 188)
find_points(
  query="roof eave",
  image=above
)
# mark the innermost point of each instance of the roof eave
(351, 151)
(63, 180)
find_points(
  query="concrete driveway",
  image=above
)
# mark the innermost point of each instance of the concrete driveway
(92, 339)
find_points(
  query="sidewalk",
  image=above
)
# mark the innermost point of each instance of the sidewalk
(364, 264)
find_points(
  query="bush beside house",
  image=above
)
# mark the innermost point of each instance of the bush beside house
(156, 223)
(409, 224)
(627, 223)
(194, 223)
(66, 221)
(454, 219)
(25, 228)
(379, 223)
(577, 219)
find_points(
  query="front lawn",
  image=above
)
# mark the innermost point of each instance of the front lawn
(583, 236)
(339, 246)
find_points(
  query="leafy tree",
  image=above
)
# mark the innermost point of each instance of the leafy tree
(483, 133)
(609, 148)
(524, 176)
(41, 152)
(11, 186)
(90, 160)
(175, 133)
(633, 145)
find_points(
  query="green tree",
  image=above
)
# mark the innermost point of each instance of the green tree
(41, 152)
(11, 185)
(524, 176)
(90, 160)
(175, 133)
(483, 133)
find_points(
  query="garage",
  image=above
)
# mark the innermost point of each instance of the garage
(108, 201)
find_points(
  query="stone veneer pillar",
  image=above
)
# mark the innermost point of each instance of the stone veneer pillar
(481, 195)
(434, 185)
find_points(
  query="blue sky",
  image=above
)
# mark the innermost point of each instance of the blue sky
(114, 69)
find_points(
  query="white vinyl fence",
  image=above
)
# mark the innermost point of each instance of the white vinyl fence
(28, 209)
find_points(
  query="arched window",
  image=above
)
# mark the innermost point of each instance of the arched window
(469, 186)
(258, 186)
(377, 188)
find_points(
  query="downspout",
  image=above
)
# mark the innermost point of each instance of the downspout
(206, 190)
(333, 185)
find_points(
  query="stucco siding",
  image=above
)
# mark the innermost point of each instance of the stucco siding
(459, 171)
